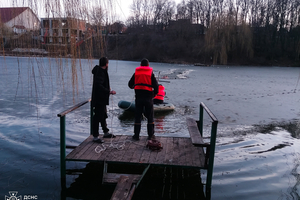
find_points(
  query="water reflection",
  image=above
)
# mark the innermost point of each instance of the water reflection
(293, 192)
(160, 118)
(126, 116)
(248, 166)
(293, 127)
(159, 123)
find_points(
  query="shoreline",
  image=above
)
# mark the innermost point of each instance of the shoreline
(170, 61)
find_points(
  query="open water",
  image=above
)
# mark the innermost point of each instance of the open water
(257, 151)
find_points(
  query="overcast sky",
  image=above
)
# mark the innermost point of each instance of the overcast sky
(122, 7)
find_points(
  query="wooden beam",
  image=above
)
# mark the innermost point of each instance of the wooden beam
(123, 188)
(111, 178)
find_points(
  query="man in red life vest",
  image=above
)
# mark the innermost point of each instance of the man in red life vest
(145, 86)
(159, 98)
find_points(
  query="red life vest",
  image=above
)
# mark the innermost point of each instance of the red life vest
(161, 93)
(142, 79)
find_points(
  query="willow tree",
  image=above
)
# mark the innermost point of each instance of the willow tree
(66, 36)
(224, 40)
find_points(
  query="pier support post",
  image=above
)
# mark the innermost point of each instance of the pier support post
(211, 159)
(63, 151)
(200, 123)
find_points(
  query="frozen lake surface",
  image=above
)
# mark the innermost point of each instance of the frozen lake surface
(257, 150)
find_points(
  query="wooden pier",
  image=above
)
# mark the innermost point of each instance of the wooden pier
(176, 151)
(179, 152)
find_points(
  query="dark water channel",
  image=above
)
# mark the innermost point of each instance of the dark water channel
(257, 107)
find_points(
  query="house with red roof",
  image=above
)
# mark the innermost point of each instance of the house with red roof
(19, 19)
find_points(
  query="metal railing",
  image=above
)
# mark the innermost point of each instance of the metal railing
(211, 148)
(62, 117)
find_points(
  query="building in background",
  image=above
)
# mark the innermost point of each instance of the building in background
(19, 19)
(60, 34)
(61, 30)
(19, 28)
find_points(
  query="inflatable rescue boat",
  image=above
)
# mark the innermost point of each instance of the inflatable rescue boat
(130, 106)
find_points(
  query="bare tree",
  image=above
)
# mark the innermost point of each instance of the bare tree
(294, 13)
(182, 11)
(158, 11)
(244, 6)
(208, 10)
(136, 12)
(232, 12)
(168, 12)
(97, 16)
(254, 12)
(217, 10)
(201, 11)
(269, 11)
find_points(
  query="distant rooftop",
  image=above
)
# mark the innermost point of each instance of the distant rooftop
(8, 13)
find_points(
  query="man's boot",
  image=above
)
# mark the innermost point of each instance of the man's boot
(137, 130)
(150, 130)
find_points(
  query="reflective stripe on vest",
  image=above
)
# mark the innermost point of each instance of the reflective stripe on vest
(143, 78)
(161, 93)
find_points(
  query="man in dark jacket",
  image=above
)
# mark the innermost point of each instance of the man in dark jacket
(145, 86)
(100, 98)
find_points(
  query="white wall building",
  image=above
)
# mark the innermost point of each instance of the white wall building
(13, 17)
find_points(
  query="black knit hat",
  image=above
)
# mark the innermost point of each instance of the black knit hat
(145, 62)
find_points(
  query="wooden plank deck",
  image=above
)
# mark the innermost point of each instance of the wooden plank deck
(177, 151)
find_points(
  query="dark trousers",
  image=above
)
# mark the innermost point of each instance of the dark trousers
(100, 115)
(144, 105)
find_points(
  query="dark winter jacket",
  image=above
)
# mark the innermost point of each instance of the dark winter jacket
(101, 87)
